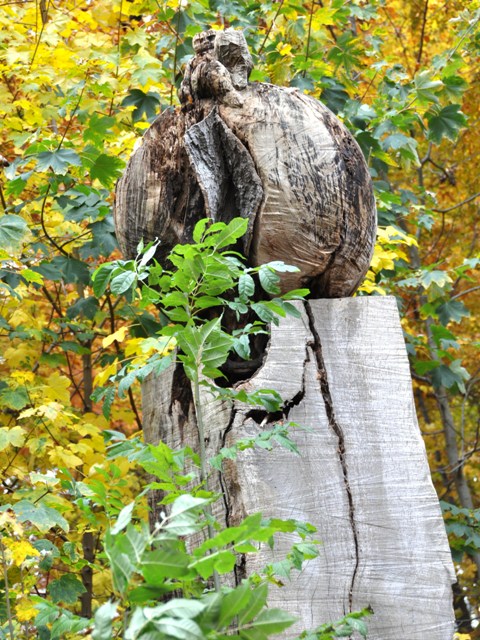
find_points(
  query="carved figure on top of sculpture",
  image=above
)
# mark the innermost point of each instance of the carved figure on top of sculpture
(206, 76)
(271, 154)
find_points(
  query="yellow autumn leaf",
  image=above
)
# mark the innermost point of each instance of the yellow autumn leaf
(382, 259)
(284, 49)
(133, 346)
(119, 336)
(52, 411)
(392, 235)
(19, 550)
(25, 610)
(23, 377)
(63, 457)
(323, 16)
(58, 388)
(102, 377)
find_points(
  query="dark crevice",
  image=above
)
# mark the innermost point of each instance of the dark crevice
(221, 480)
(263, 417)
(182, 397)
(337, 429)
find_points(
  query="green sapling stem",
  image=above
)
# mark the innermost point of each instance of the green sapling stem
(203, 462)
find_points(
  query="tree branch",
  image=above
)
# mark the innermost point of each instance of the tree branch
(460, 204)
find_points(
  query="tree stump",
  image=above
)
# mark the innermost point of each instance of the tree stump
(362, 478)
(285, 162)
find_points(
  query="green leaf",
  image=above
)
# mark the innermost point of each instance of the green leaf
(84, 308)
(443, 337)
(246, 286)
(164, 564)
(296, 294)
(234, 602)
(263, 312)
(426, 87)
(44, 518)
(58, 160)
(15, 399)
(123, 519)
(242, 346)
(451, 375)
(177, 608)
(269, 280)
(107, 169)
(103, 619)
(272, 621)
(15, 437)
(13, 229)
(231, 233)
(67, 623)
(281, 267)
(145, 104)
(445, 123)
(101, 277)
(121, 565)
(122, 282)
(72, 271)
(179, 628)
(255, 605)
(199, 229)
(66, 589)
(452, 311)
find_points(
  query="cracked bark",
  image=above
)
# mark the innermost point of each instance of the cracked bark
(362, 478)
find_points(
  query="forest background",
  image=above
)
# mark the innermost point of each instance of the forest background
(80, 81)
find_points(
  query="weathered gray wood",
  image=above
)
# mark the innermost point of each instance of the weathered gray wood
(268, 153)
(362, 478)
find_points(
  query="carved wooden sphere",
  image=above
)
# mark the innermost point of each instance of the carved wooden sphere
(268, 153)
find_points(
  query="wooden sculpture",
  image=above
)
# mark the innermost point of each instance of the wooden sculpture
(267, 153)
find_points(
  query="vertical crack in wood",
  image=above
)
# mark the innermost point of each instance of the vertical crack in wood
(337, 429)
(223, 484)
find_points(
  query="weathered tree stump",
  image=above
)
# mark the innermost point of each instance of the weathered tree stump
(362, 479)
(282, 160)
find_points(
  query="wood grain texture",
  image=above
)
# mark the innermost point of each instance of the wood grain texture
(255, 150)
(318, 211)
(362, 478)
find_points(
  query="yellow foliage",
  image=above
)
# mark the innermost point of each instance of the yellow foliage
(103, 376)
(387, 250)
(25, 609)
(57, 389)
(64, 457)
(284, 49)
(119, 336)
(19, 550)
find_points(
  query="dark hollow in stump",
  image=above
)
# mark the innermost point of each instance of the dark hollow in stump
(267, 153)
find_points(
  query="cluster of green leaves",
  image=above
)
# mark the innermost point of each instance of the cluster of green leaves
(174, 564)
(463, 527)
(207, 275)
